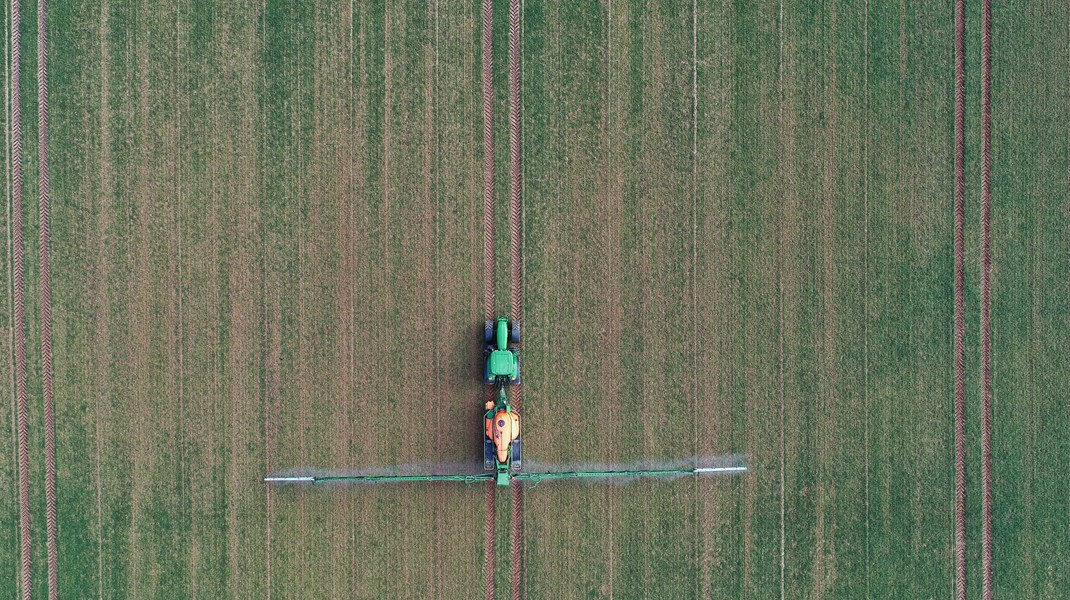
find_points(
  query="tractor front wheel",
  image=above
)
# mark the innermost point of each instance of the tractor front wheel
(514, 332)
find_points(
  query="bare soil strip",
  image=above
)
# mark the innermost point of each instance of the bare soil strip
(19, 272)
(488, 160)
(517, 537)
(960, 300)
(986, 300)
(514, 158)
(515, 261)
(865, 285)
(780, 300)
(488, 256)
(488, 543)
(45, 215)
(515, 254)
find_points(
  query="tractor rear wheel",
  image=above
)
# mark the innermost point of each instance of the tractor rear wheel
(516, 380)
(516, 455)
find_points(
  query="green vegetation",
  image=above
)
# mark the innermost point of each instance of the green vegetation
(812, 272)
(1030, 302)
(258, 207)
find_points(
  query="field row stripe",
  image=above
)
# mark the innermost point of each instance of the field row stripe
(488, 161)
(960, 300)
(488, 261)
(45, 217)
(517, 296)
(780, 304)
(21, 398)
(986, 300)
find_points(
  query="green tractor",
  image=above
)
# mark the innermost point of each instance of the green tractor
(502, 363)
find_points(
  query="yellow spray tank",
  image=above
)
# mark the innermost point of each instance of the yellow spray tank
(501, 442)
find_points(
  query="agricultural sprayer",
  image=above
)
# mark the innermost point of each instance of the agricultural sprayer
(502, 440)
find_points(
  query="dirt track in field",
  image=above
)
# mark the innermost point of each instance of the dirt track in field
(515, 183)
(986, 301)
(489, 308)
(960, 300)
(44, 248)
(516, 269)
(19, 284)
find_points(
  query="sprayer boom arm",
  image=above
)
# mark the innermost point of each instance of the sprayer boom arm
(538, 477)
(380, 478)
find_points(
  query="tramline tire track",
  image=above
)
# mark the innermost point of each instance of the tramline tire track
(489, 313)
(44, 234)
(517, 549)
(488, 262)
(514, 158)
(516, 270)
(960, 300)
(488, 161)
(19, 317)
(986, 300)
(488, 542)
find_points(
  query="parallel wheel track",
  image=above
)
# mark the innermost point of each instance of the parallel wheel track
(986, 301)
(517, 539)
(44, 215)
(488, 542)
(960, 300)
(516, 268)
(19, 309)
(488, 161)
(488, 260)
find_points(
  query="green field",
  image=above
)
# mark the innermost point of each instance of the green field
(267, 255)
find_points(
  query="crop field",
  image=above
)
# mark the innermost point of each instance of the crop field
(267, 257)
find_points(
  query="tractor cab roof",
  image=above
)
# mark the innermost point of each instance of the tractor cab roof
(502, 363)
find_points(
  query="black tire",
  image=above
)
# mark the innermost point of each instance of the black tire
(514, 332)
(485, 372)
(516, 458)
(518, 374)
(488, 332)
(488, 454)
